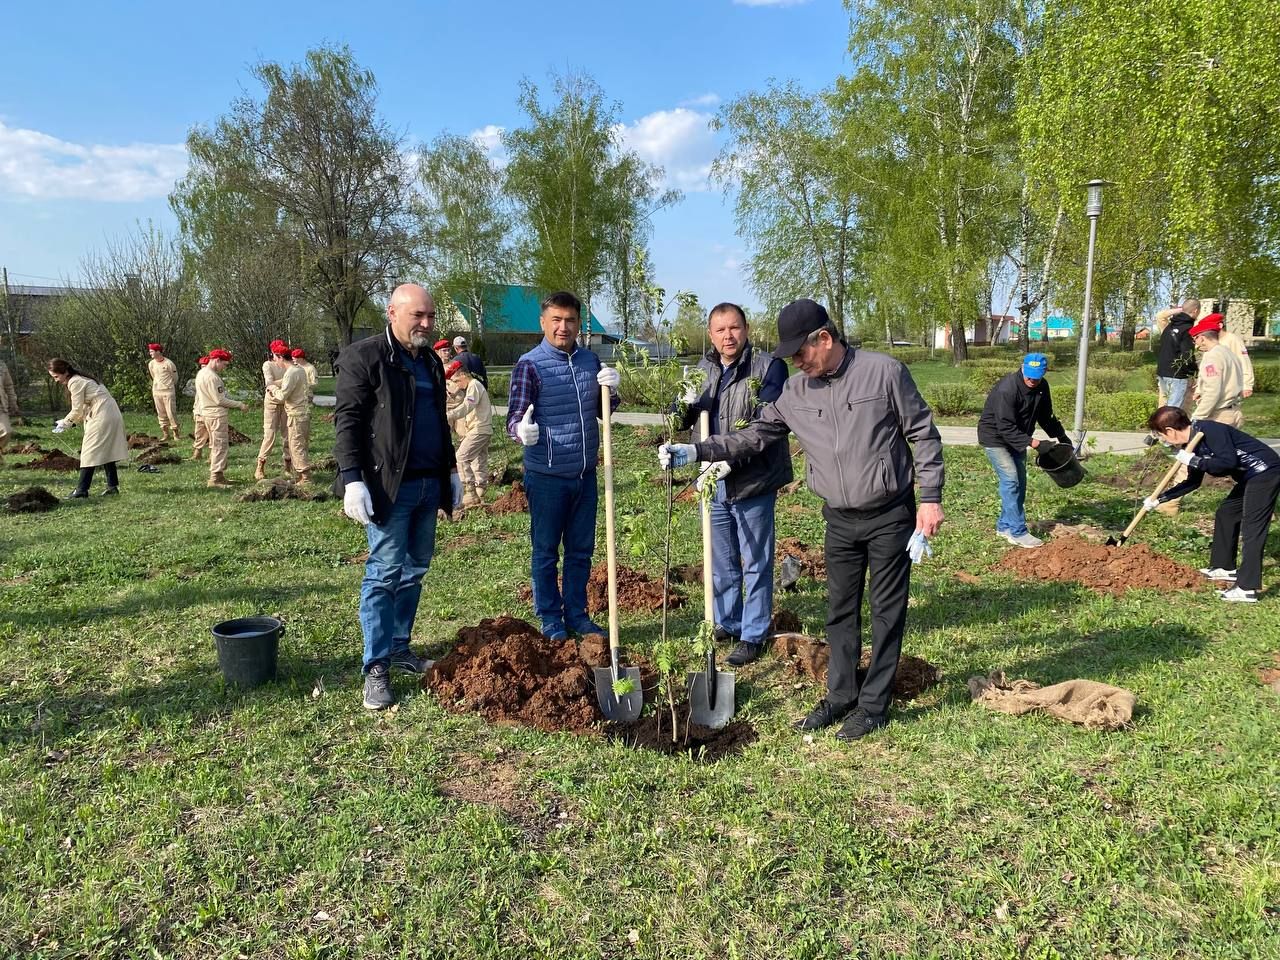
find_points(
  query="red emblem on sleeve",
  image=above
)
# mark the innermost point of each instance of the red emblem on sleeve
(1210, 371)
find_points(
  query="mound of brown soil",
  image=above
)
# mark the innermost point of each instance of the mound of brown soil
(636, 591)
(505, 669)
(52, 460)
(32, 500)
(281, 489)
(158, 453)
(28, 447)
(812, 560)
(653, 732)
(236, 437)
(513, 501)
(506, 474)
(808, 658)
(1110, 569)
(784, 621)
(141, 441)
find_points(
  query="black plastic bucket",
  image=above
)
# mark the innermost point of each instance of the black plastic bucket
(1059, 461)
(247, 649)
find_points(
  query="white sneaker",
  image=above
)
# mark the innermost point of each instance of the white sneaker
(1026, 540)
(1236, 595)
(1218, 573)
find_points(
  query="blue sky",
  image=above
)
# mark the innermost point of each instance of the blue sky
(96, 99)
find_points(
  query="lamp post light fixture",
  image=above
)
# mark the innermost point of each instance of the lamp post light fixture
(1093, 210)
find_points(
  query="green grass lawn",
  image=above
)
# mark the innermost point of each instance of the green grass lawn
(147, 811)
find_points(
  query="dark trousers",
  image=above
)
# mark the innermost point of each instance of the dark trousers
(1245, 515)
(86, 478)
(858, 541)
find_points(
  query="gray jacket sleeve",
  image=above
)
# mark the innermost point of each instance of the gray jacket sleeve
(748, 441)
(919, 429)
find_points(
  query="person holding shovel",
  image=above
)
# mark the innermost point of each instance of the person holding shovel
(164, 390)
(739, 381)
(275, 419)
(214, 404)
(1243, 519)
(104, 444)
(1015, 406)
(856, 414)
(553, 411)
(395, 471)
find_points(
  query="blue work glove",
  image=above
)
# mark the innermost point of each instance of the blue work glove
(918, 547)
(672, 455)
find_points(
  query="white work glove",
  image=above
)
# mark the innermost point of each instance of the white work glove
(918, 547)
(60, 426)
(455, 487)
(609, 377)
(671, 455)
(690, 395)
(712, 474)
(526, 430)
(357, 504)
(1150, 503)
(1184, 456)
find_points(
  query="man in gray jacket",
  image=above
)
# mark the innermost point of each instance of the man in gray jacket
(855, 414)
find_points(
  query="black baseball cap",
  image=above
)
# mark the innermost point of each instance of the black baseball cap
(796, 321)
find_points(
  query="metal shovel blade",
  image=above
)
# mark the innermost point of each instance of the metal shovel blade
(619, 709)
(711, 697)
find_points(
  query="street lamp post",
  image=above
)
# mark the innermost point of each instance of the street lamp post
(1093, 210)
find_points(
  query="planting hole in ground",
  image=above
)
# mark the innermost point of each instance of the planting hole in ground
(1109, 569)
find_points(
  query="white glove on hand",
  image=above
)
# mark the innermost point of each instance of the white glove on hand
(609, 377)
(714, 473)
(1184, 456)
(1150, 503)
(357, 504)
(60, 426)
(455, 488)
(918, 547)
(671, 455)
(527, 431)
(690, 395)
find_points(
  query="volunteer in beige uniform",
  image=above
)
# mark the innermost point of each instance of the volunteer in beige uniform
(200, 430)
(475, 414)
(1236, 345)
(214, 404)
(9, 412)
(294, 393)
(164, 390)
(104, 443)
(275, 420)
(300, 359)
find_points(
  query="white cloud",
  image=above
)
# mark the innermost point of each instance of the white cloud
(489, 137)
(702, 100)
(769, 3)
(679, 141)
(36, 165)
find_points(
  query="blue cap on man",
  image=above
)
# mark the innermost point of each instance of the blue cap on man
(1034, 366)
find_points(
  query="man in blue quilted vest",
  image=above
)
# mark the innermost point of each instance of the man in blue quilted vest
(552, 410)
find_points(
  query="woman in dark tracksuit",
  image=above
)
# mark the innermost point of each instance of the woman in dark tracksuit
(1244, 516)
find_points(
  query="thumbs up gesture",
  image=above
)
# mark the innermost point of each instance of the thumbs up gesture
(527, 431)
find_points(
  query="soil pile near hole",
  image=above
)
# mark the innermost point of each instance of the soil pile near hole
(812, 561)
(636, 591)
(653, 732)
(32, 500)
(687, 573)
(505, 670)
(506, 474)
(1110, 569)
(513, 501)
(52, 460)
(141, 441)
(1054, 528)
(158, 453)
(236, 437)
(784, 621)
(29, 447)
(808, 658)
(281, 489)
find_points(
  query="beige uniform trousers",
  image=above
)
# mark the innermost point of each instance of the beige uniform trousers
(201, 433)
(473, 458)
(166, 409)
(219, 441)
(275, 421)
(299, 443)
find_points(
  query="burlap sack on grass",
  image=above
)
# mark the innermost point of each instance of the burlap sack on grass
(1097, 706)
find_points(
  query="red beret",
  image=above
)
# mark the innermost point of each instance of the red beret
(1207, 325)
(279, 348)
(452, 368)
(1214, 319)
(439, 344)
(219, 354)
(204, 361)
(299, 354)
(155, 346)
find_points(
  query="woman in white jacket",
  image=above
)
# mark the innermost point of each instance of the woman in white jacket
(104, 443)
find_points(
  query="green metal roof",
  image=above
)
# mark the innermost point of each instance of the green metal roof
(513, 308)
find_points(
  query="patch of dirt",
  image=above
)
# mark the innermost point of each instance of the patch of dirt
(813, 563)
(236, 437)
(141, 441)
(156, 454)
(653, 732)
(524, 593)
(506, 474)
(281, 489)
(688, 495)
(963, 576)
(1270, 676)
(30, 447)
(1053, 528)
(637, 591)
(52, 460)
(32, 500)
(506, 670)
(791, 487)
(808, 658)
(513, 501)
(593, 648)
(357, 557)
(687, 573)
(497, 783)
(784, 621)
(1109, 569)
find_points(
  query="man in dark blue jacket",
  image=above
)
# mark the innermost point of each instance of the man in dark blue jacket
(552, 410)
(395, 470)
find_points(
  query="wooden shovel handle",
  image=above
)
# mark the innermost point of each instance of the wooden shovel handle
(708, 611)
(1160, 487)
(610, 546)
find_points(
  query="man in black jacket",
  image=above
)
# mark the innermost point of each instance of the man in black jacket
(395, 470)
(1016, 404)
(1176, 356)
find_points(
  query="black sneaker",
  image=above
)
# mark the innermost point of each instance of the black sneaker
(744, 653)
(377, 688)
(79, 495)
(858, 724)
(823, 715)
(722, 635)
(406, 661)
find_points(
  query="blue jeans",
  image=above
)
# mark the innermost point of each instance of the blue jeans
(400, 551)
(562, 510)
(742, 564)
(1175, 390)
(1011, 468)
